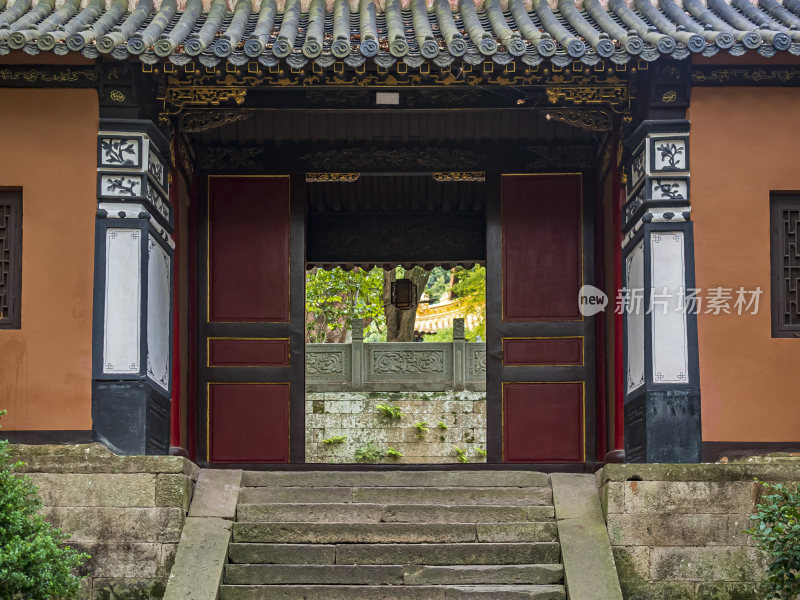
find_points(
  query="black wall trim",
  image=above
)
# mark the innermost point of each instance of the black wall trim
(713, 451)
(48, 436)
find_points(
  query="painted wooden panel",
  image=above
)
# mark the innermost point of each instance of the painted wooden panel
(123, 302)
(541, 232)
(533, 352)
(249, 249)
(543, 422)
(230, 352)
(249, 422)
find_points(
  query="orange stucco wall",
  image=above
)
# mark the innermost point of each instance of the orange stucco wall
(743, 144)
(49, 151)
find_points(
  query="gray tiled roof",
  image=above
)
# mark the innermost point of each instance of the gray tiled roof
(619, 31)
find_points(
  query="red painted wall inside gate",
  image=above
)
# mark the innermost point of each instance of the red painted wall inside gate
(249, 249)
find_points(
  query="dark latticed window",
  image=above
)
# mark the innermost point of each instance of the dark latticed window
(10, 258)
(785, 247)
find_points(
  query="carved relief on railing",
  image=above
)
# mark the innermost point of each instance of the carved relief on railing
(476, 363)
(419, 361)
(329, 363)
(324, 363)
(427, 366)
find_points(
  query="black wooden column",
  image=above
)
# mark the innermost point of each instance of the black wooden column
(132, 325)
(662, 379)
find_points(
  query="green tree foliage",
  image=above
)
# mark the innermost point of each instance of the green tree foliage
(438, 282)
(470, 285)
(33, 563)
(776, 530)
(334, 298)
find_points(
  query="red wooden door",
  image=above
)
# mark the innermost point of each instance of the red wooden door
(251, 343)
(540, 368)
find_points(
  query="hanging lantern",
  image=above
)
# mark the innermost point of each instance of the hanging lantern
(404, 294)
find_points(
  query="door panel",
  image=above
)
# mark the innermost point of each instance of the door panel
(541, 247)
(249, 422)
(251, 337)
(248, 218)
(543, 422)
(540, 359)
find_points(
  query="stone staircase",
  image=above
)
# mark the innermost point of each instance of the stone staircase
(394, 535)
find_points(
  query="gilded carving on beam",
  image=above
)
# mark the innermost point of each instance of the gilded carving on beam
(459, 176)
(178, 98)
(589, 119)
(412, 159)
(48, 75)
(612, 95)
(746, 75)
(351, 78)
(203, 120)
(332, 177)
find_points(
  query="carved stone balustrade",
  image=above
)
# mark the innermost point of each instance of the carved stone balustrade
(396, 366)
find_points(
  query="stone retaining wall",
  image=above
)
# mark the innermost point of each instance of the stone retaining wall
(127, 512)
(677, 531)
(354, 414)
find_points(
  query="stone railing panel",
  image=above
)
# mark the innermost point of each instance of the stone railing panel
(401, 362)
(396, 366)
(476, 362)
(328, 363)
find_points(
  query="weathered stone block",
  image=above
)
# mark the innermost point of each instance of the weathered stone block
(737, 590)
(173, 490)
(632, 562)
(105, 588)
(713, 563)
(612, 497)
(788, 470)
(94, 458)
(120, 560)
(118, 524)
(689, 497)
(657, 590)
(68, 489)
(678, 530)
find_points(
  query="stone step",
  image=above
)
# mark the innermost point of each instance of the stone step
(392, 554)
(393, 533)
(390, 513)
(497, 496)
(393, 574)
(395, 479)
(483, 574)
(314, 574)
(390, 592)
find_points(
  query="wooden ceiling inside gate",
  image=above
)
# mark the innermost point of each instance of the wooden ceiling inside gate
(342, 126)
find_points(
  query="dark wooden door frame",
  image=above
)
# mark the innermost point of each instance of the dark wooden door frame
(496, 329)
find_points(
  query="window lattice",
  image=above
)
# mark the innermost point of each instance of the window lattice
(10, 230)
(5, 260)
(790, 299)
(785, 258)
